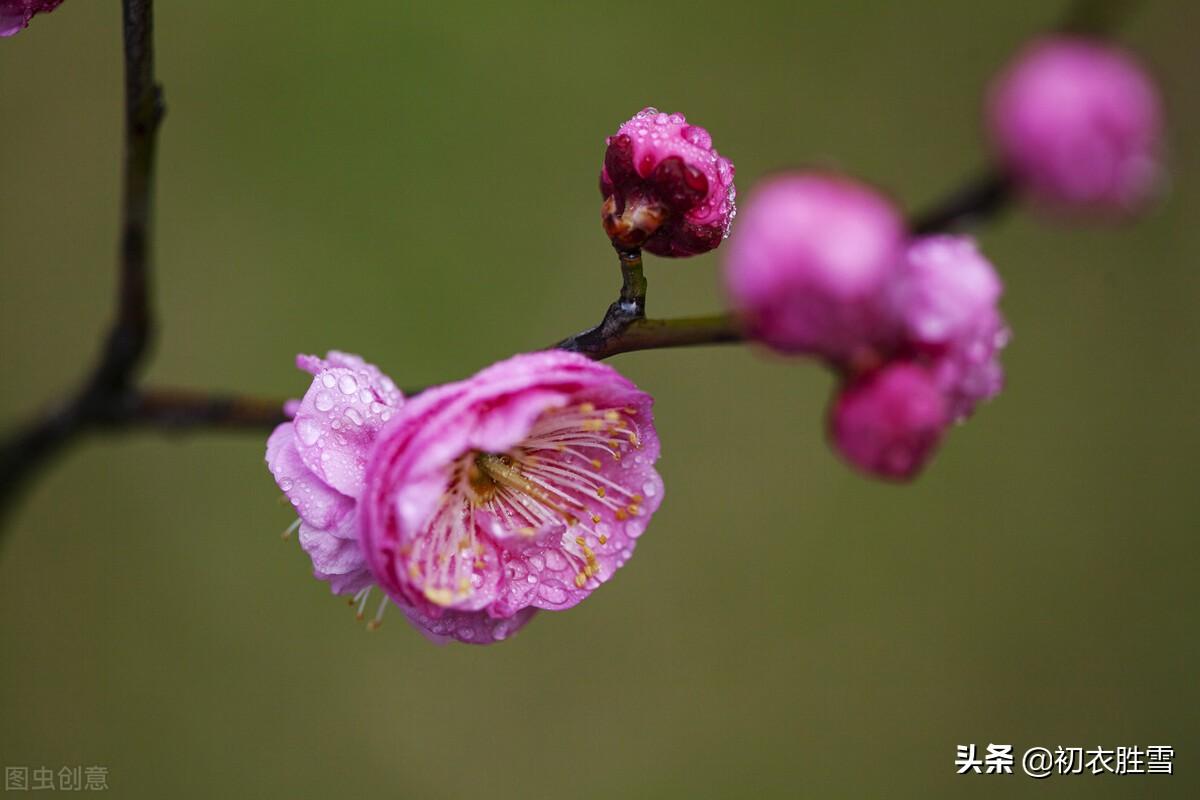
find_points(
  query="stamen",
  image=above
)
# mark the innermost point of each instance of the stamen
(290, 529)
(374, 624)
(361, 597)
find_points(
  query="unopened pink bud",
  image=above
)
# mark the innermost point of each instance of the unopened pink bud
(946, 294)
(809, 268)
(665, 188)
(1079, 123)
(888, 423)
(944, 284)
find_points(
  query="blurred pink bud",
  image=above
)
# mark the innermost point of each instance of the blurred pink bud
(889, 422)
(665, 188)
(946, 295)
(1079, 123)
(809, 268)
(944, 284)
(15, 14)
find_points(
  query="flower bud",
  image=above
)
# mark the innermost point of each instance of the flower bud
(810, 266)
(946, 295)
(889, 422)
(665, 188)
(1078, 122)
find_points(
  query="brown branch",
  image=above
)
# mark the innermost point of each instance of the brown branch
(980, 199)
(187, 410)
(104, 391)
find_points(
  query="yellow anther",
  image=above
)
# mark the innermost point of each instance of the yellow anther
(612, 416)
(621, 515)
(580, 580)
(637, 498)
(596, 463)
(596, 518)
(602, 539)
(592, 425)
(587, 408)
(600, 492)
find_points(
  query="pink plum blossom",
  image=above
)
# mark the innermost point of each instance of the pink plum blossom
(1079, 123)
(15, 14)
(666, 189)
(319, 458)
(946, 293)
(524, 487)
(889, 422)
(809, 268)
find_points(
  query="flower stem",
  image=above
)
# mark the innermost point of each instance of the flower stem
(633, 283)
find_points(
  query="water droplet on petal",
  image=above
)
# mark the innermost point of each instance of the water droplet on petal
(324, 401)
(308, 431)
(552, 594)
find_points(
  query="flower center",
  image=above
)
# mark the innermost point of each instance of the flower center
(553, 484)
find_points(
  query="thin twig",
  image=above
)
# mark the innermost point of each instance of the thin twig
(187, 410)
(980, 199)
(104, 391)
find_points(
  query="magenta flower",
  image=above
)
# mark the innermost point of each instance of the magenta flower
(524, 487)
(809, 268)
(319, 458)
(945, 293)
(665, 188)
(889, 422)
(15, 14)
(1079, 123)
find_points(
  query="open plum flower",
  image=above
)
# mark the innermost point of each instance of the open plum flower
(665, 188)
(320, 457)
(524, 487)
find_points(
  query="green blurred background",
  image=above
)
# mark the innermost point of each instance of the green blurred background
(418, 184)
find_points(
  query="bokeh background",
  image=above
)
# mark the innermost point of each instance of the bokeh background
(417, 182)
